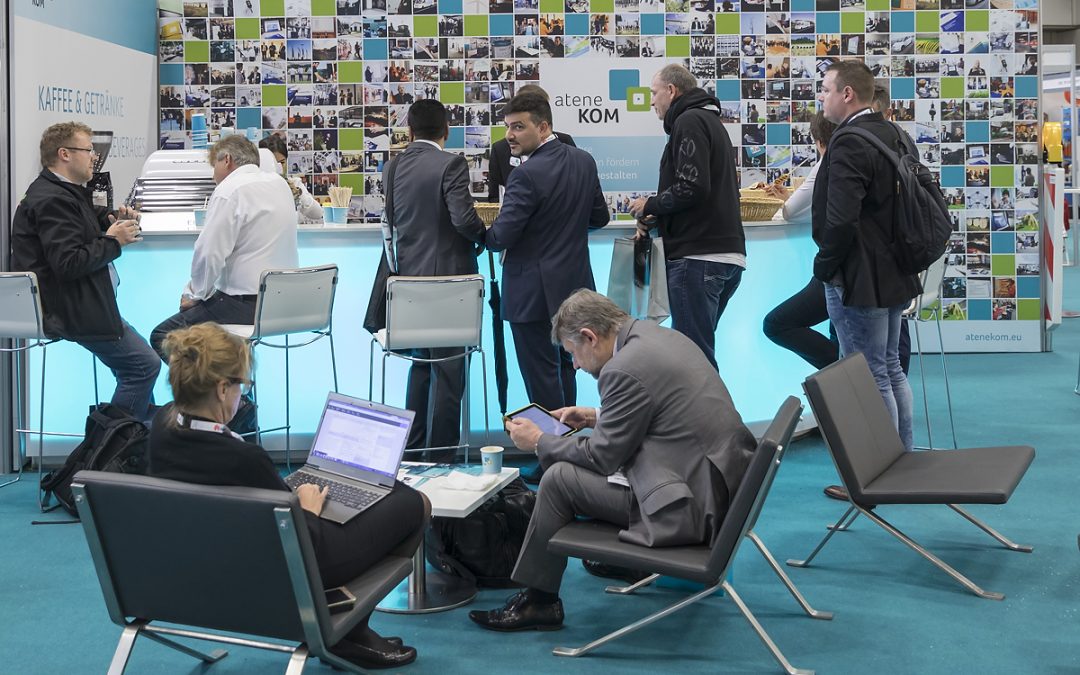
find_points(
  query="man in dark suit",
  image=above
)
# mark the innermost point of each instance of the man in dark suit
(551, 201)
(668, 425)
(435, 233)
(853, 226)
(503, 162)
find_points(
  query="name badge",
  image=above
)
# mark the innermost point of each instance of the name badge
(100, 198)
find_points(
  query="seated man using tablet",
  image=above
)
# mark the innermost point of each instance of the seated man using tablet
(667, 423)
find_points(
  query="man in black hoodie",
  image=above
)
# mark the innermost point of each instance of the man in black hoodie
(696, 207)
(58, 234)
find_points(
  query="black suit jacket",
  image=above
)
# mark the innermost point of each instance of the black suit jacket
(499, 167)
(853, 222)
(57, 234)
(551, 202)
(436, 225)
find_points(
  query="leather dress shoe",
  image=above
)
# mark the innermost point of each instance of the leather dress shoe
(836, 492)
(599, 569)
(521, 613)
(372, 657)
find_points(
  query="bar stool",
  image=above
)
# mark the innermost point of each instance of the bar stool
(289, 302)
(21, 320)
(433, 313)
(930, 303)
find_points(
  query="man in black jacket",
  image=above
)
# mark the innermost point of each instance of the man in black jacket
(57, 234)
(853, 227)
(696, 207)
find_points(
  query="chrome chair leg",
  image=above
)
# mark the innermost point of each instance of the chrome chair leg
(297, 660)
(845, 526)
(832, 530)
(212, 657)
(945, 374)
(487, 419)
(333, 362)
(43, 500)
(288, 422)
(769, 644)
(1002, 539)
(640, 623)
(784, 579)
(371, 369)
(124, 647)
(466, 409)
(937, 562)
(627, 590)
(922, 378)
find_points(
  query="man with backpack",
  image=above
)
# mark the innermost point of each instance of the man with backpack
(856, 228)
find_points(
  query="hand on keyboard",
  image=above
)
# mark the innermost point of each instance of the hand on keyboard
(311, 497)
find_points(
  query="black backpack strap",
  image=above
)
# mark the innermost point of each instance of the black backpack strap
(873, 140)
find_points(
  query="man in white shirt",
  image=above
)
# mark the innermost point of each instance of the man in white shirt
(250, 227)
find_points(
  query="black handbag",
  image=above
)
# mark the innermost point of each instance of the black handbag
(375, 317)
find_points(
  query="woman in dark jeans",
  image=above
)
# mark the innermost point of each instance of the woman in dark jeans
(209, 369)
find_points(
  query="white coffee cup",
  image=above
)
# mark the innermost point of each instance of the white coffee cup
(491, 457)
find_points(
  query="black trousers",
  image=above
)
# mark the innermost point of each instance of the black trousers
(547, 370)
(395, 524)
(219, 308)
(436, 389)
(790, 323)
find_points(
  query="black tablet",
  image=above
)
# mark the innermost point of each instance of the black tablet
(543, 419)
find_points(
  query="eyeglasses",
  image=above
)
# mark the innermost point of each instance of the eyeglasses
(245, 385)
(90, 150)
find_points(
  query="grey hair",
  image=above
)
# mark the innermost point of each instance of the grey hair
(239, 148)
(586, 309)
(678, 76)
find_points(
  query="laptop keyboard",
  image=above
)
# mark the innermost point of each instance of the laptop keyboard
(349, 495)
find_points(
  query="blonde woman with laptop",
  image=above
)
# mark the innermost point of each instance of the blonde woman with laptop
(209, 369)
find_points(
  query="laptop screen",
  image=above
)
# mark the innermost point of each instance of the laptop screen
(365, 437)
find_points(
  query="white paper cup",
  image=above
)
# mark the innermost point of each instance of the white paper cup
(491, 457)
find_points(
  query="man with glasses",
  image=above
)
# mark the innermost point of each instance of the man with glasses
(57, 234)
(250, 227)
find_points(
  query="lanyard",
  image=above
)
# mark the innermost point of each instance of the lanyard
(201, 425)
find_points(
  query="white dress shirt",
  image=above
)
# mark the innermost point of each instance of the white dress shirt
(250, 227)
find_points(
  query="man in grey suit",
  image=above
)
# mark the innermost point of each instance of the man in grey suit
(435, 232)
(666, 426)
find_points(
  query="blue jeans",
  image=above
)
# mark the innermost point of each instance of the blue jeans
(135, 366)
(698, 292)
(875, 331)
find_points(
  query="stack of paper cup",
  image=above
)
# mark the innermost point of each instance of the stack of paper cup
(200, 137)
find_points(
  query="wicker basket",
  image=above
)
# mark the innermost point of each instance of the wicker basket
(487, 212)
(755, 205)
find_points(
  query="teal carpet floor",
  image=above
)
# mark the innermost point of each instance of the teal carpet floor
(895, 613)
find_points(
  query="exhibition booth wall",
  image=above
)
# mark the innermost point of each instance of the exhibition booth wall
(336, 77)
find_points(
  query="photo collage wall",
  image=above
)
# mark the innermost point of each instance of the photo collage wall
(336, 78)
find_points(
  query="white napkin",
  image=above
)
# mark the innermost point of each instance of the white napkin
(457, 480)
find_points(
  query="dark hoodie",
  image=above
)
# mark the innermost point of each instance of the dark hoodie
(697, 201)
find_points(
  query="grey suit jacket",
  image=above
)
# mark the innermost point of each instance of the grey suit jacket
(434, 219)
(668, 422)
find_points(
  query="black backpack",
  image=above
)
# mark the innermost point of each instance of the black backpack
(115, 441)
(921, 219)
(483, 546)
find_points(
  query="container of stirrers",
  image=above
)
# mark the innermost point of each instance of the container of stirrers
(338, 211)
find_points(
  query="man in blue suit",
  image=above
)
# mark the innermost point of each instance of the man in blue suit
(551, 202)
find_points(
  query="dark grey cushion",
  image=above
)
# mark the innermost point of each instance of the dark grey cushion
(970, 476)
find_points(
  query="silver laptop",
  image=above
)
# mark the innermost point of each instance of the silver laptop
(356, 454)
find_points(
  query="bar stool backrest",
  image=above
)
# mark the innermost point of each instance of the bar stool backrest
(931, 283)
(20, 306)
(295, 301)
(434, 312)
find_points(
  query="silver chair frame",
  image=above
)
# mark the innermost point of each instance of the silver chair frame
(313, 639)
(257, 339)
(22, 430)
(914, 314)
(722, 585)
(854, 510)
(467, 353)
